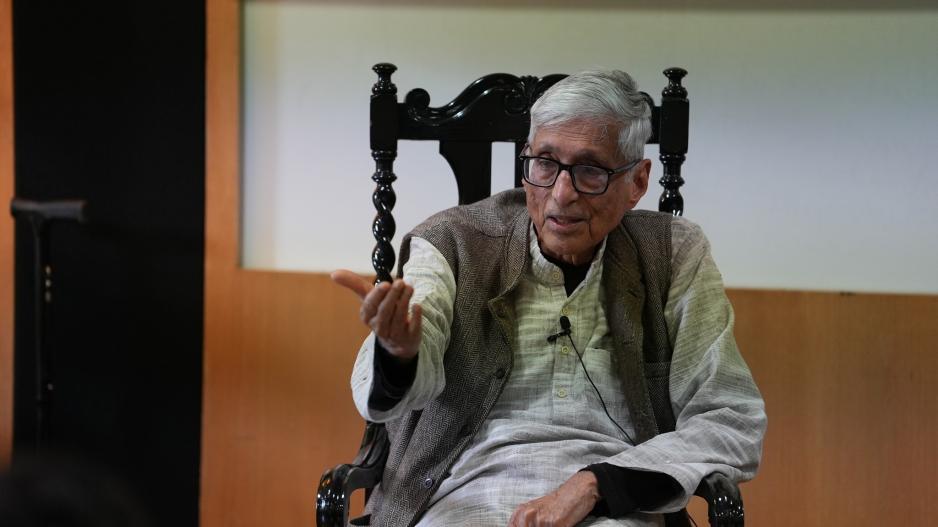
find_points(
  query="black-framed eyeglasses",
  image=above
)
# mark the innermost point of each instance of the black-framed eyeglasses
(587, 179)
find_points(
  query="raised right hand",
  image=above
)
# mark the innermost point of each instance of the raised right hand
(385, 310)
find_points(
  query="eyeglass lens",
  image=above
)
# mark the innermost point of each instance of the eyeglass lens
(587, 179)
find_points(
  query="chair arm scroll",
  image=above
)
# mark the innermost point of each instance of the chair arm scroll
(724, 501)
(337, 484)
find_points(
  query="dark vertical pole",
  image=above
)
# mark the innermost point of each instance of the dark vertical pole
(673, 141)
(42, 284)
(383, 151)
(41, 214)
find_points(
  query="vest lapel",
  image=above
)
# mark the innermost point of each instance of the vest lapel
(516, 258)
(625, 298)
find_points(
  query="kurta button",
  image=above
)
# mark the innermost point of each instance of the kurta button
(565, 310)
(427, 483)
(499, 373)
(564, 350)
(464, 431)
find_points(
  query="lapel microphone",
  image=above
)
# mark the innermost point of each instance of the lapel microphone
(564, 330)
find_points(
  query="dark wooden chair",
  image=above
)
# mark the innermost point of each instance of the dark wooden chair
(493, 108)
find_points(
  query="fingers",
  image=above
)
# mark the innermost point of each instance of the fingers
(397, 329)
(403, 302)
(522, 517)
(352, 282)
(386, 311)
(416, 322)
(387, 316)
(553, 510)
(372, 302)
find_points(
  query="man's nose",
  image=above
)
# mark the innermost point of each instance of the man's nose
(563, 190)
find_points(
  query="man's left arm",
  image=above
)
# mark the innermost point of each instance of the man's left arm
(719, 412)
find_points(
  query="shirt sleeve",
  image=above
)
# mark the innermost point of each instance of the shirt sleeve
(624, 491)
(719, 412)
(392, 379)
(435, 290)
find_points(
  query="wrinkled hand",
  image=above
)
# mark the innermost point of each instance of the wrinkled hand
(564, 507)
(385, 310)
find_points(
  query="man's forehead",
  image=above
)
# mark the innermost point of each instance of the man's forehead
(587, 141)
(596, 132)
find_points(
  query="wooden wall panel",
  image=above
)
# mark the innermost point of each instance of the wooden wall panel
(6, 231)
(278, 405)
(849, 383)
(849, 380)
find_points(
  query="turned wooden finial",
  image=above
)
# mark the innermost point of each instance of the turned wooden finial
(672, 141)
(384, 84)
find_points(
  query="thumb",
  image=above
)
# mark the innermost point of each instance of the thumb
(352, 282)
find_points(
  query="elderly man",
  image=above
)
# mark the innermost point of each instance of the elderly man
(551, 356)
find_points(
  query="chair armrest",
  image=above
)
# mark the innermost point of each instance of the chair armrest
(724, 501)
(337, 484)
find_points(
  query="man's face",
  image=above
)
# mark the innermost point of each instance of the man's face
(570, 226)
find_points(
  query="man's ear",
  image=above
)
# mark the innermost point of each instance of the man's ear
(639, 182)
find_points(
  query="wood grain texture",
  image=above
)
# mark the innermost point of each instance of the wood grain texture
(849, 380)
(6, 232)
(850, 388)
(278, 406)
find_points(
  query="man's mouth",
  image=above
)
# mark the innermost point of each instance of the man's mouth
(564, 222)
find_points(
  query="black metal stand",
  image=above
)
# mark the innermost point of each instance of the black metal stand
(41, 214)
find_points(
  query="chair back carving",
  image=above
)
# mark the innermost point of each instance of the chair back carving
(493, 108)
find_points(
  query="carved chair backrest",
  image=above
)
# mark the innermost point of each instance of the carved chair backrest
(493, 108)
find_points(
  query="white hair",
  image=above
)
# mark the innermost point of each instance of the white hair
(606, 97)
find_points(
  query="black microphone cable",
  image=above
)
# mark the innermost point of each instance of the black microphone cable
(565, 330)
(565, 326)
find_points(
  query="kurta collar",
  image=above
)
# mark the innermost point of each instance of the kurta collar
(548, 273)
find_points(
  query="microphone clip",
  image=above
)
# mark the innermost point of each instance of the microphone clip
(565, 324)
(553, 338)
